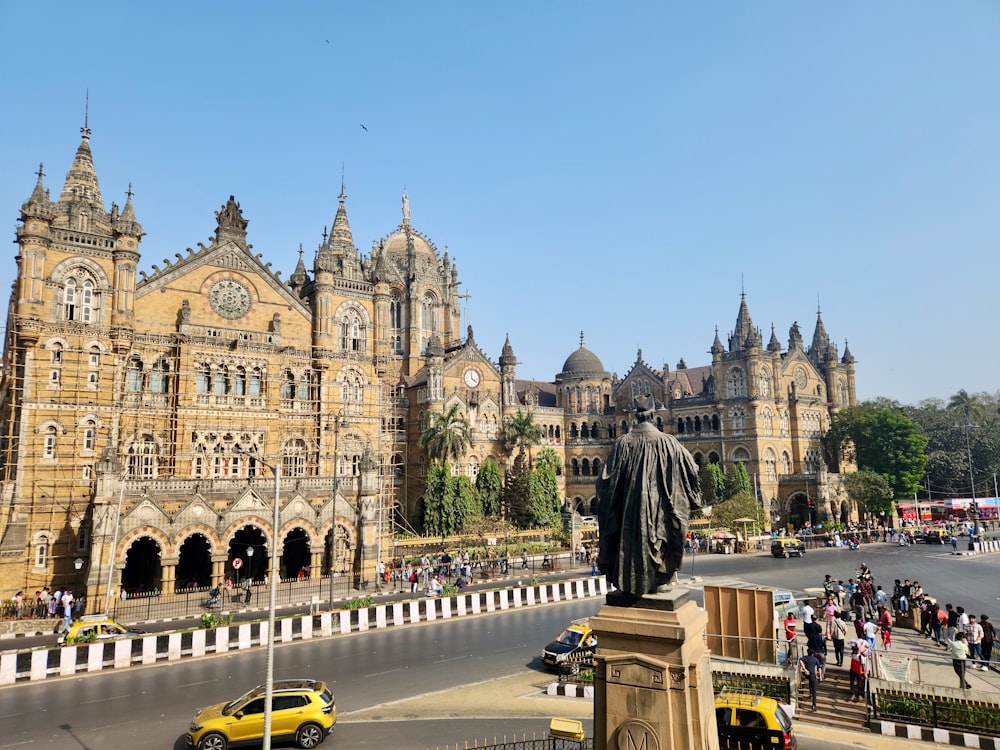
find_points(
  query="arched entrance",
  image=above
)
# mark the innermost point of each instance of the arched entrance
(255, 565)
(801, 511)
(295, 553)
(845, 512)
(142, 566)
(194, 563)
(337, 549)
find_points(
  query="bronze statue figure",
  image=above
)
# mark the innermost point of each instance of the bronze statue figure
(645, 494)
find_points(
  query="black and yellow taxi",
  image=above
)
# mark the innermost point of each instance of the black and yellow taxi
(577, 642)
(747, 719)
(90, 628)
(936, 536)
(787, 546)
(303, 711)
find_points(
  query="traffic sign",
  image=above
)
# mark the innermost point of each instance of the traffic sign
(237, 563)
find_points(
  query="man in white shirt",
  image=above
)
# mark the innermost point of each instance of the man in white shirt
(807, 614)
(975, 632)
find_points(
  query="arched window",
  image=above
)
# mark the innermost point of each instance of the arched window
(50, 441)
(395, 311)
(287, 385)
(159, 377)
(89, 435)
(736, 386)
(572, 430)
(42, 551)
(842, 392)
(240, 382)
(786, 463)
(739, 420)
(697, 424)
(741, 455)
(770, 465)
(764, 382)
(220, 383)
(428, 312)
(597, 467)
(305, 388)
(575, 465)
(715, 422)
(80, 300)
(133, 377)
(256, 376)
(767, 422)
(351, 333)
(584, 431)
(293, 458)
(202, 378)
(585, 467)
(141, 459)
(680, 425)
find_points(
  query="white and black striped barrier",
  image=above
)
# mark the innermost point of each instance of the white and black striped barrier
(40, 664)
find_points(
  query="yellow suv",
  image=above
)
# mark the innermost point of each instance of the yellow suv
(301, 710)
(90, 628)
(747, 719)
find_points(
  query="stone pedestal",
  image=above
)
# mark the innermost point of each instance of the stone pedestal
(653, 684)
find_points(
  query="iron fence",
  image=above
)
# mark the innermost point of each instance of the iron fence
(524, 743)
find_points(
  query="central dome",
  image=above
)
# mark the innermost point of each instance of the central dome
(583, 363)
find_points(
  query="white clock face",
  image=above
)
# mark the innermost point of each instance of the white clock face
(471, 378)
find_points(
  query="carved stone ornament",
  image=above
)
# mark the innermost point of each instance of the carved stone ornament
(231, 217)
(636, 734)
(230, 298)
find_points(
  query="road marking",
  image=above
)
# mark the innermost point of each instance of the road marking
(379, 674)
(102, 700)
(454, 658)
(10, 716)
(192, 684)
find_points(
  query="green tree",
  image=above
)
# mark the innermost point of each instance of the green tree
(466, 499)
(520, 431)
(447, 436)
(870, 491)
(880, 439)
(543, 506)
(441, 514)
(737, 480)
(712, 483)
(547, 457)
(489, 484)
(740, 505)
(517, 492)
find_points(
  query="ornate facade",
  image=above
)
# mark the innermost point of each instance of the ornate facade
(144, 414)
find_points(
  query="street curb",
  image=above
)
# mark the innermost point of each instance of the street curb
(930, 734)
(570, 691)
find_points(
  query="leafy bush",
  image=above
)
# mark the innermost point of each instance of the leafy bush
(360, 602)
(213, 620)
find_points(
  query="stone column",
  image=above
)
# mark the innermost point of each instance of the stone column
(168, 569)
(653, 682)
(219, 568)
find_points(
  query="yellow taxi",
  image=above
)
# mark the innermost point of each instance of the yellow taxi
(577, 642)
(748, 719)
(787, 547)
(90, 628)
(303, 711)
(937, 536)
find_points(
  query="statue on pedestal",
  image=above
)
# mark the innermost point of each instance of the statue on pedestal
(645, 495)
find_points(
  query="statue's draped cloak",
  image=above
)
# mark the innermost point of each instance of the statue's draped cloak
(644, 497)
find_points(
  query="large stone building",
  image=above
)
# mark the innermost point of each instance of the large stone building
(144, 413)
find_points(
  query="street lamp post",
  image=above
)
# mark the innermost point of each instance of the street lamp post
(273, 602)
(973, 509)
(340, 421)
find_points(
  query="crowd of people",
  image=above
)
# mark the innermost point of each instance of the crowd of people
(873, 611)
(48, 604)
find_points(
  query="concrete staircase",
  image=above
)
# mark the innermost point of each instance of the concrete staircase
(834, 707)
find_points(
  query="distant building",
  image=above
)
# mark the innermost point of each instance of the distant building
(142, 411)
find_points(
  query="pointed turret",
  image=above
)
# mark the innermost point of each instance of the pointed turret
(507, 358)
(127, 224)
(338, 251)
(299, 277)
(717, 348)
(744, 326)
(848, 358)
(820, 340)
(773, 345)
(81, 180)
(38, 205)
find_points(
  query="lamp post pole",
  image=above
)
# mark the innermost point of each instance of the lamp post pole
(336, 486)
(972, 481)
(273, 600)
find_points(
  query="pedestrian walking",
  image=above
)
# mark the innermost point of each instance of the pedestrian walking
(857, 673)
(838, 634)
(975, 640)
(959, 651)
(812, 669)
(247, 591)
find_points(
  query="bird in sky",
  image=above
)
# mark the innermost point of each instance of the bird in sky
(364, 128)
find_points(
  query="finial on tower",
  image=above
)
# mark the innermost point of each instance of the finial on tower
(129, 193)
(406, 207)
(581, 339)
(86, 116)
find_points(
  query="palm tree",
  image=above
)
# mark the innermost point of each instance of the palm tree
(522, 432)
(447, 436)
(967, 404)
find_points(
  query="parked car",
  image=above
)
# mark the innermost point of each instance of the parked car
(301, 710)
(937, 536)
(90, 628)
(788, 547)
(749, 720)
(576, 641)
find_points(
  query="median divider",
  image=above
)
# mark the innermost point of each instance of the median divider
(66, 661)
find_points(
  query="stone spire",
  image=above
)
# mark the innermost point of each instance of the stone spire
(744, 325)
(339, 246)
(507, 354)
(717, 348)
(127, 224)
(820, 340)
(81, 180)
(773, 345)
(848, 358)
(38, 204)
(299, 277)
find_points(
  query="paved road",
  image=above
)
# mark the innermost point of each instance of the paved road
(444, 663)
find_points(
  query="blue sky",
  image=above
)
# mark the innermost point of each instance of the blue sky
(618, 168)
